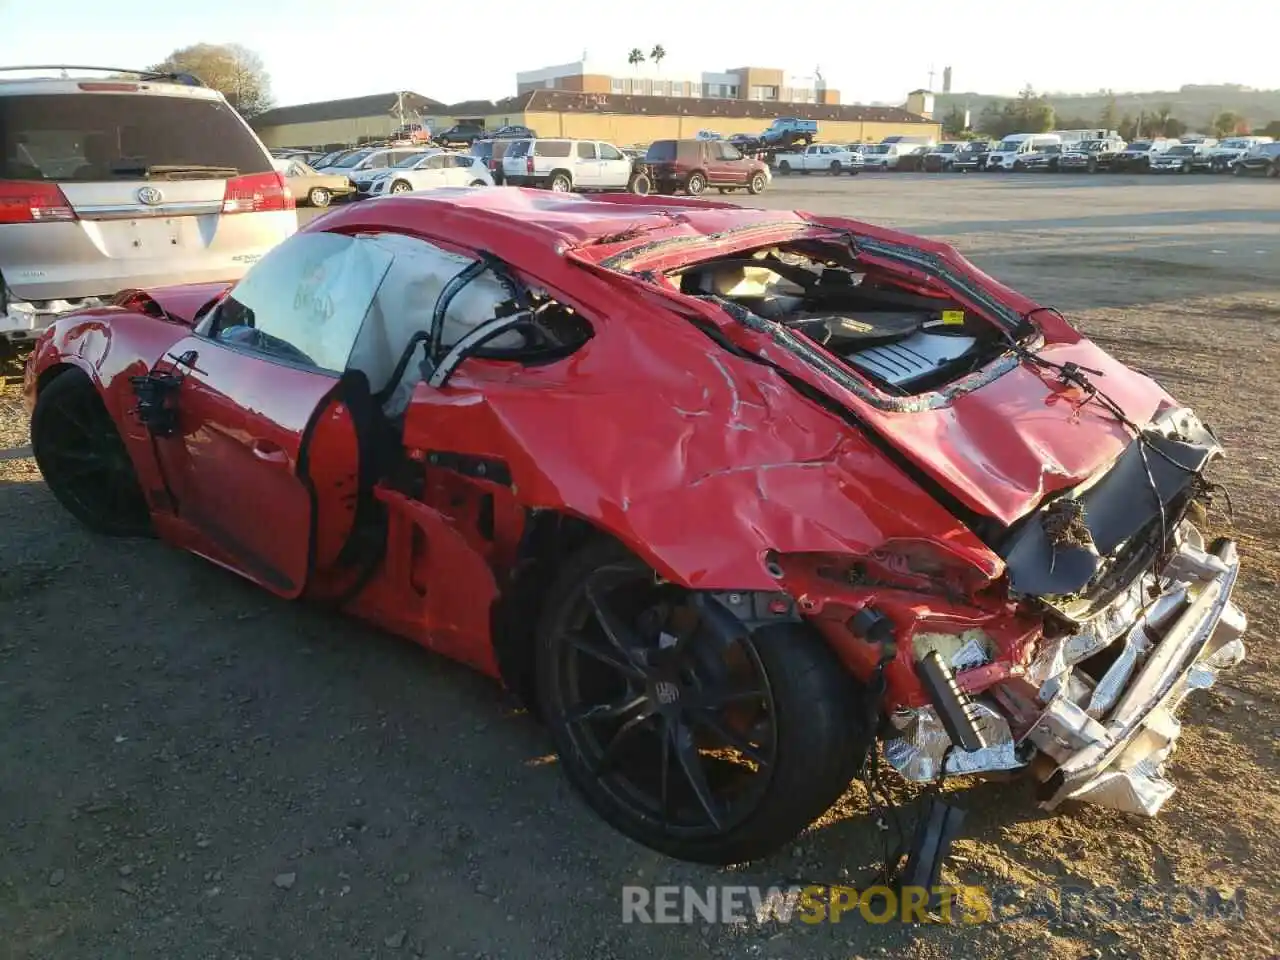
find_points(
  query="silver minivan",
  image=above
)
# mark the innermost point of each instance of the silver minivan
(126, 181)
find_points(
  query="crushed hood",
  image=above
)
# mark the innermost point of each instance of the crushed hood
(1004, 446)
(181, 303)
(999, 440)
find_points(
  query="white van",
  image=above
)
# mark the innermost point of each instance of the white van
(1007, 154)
(888, 155)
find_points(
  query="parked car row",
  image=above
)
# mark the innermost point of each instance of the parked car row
(555, 163)
(1049, 152)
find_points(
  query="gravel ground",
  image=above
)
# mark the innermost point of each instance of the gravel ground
(193, 769)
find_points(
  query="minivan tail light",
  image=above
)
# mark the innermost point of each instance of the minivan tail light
(26, 201)
(258, 193)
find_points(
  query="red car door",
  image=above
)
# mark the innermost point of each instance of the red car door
(234, 469)
(261, 467)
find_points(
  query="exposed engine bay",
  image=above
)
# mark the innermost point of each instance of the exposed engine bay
(902, 341)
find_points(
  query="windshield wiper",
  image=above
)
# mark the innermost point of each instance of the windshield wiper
(176, 171)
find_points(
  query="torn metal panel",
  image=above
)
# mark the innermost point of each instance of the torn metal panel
(1113, 510)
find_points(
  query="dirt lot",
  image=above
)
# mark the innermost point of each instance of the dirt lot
(191, 769)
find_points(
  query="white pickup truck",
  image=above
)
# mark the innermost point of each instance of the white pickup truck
(828, 157)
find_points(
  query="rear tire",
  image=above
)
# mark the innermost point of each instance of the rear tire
(560, 182)
(84, 461)
(477, 183)
(641, 185)
(318, 197)
(791, 732)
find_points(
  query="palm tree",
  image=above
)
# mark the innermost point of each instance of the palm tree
(636, 57)
(657, 55)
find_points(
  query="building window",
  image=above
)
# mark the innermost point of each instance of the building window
(615, 85)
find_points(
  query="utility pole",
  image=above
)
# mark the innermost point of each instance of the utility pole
(931, 73)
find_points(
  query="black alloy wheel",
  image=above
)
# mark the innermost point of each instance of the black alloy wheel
(83, 459)
(684, 730)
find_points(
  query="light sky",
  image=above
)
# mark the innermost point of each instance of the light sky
(463, 49)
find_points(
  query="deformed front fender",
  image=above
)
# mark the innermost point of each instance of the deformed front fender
(700, 462)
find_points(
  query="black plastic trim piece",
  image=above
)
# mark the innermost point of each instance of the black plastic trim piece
(488, 469)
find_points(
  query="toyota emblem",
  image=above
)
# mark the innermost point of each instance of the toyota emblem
(150, 196)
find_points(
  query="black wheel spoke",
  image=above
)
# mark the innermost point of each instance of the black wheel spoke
(730, 737)
(610, 710)
(607, 657)
(616, 629)
(609, 757)
(690, 761)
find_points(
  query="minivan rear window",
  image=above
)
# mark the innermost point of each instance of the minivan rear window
(551, 148)
(120, 136)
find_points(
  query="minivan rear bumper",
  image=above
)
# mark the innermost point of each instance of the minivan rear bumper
(23, 320)
(78, 259)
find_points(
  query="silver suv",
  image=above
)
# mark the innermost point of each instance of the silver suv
(128, 180)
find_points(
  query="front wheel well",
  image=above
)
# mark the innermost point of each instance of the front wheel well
(550, 538)
(48, 375)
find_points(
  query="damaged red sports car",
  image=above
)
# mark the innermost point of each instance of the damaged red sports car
(728, 496)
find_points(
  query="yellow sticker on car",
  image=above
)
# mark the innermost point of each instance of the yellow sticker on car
(953, 318)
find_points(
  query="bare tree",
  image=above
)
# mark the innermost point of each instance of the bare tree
(234, 71)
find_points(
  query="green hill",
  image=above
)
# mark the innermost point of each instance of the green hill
(1194, 105)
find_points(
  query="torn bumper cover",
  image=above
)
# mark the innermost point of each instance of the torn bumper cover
(1096, 709)
(1119, 761)
(1104, 739)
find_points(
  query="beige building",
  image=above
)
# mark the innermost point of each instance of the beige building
(737, 83)
(623, 119)
(628, 119)
(339, 123)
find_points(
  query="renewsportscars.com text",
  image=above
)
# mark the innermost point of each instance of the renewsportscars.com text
(947, 904)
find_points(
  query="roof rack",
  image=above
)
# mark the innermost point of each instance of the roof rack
(65, 69)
